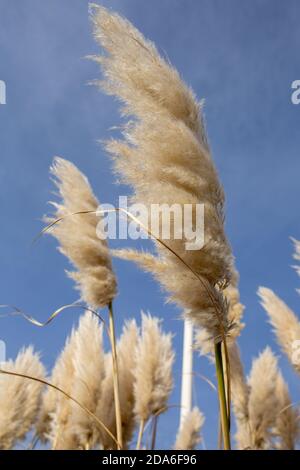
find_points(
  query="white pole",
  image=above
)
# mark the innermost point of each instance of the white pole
(187, 370)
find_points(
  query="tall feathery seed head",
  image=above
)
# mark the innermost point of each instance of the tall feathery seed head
(287, 426)
(263, 401)
(153, 371)
(126, 356)
(19, 397)
(285, 323)
(188, 436)
(88, 360)
(164, 156)
(77, 235)
(60, 434)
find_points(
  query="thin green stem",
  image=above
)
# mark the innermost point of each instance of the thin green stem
(222, 396)
(115, 376)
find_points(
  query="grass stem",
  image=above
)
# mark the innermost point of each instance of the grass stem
(222, 396)
(140, 435)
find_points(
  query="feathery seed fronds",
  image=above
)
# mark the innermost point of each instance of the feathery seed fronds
(287, 423)
(19, 398)
(263, 401)
(188, 436)
(77, 236)
(126, 354)
(88, 359)
(60, 433)
(285, 323)
(153, 372)
(166, 159)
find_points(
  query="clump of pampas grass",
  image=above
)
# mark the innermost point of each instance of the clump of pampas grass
(188, 436)
(19, 397)
(85, 372)
(165, 158)
(265, 415)
(77, 235)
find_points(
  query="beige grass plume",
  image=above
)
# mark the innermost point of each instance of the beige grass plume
(19, 397)
(287, 421)
(285, 323)
(165, 158)
(153, 372)
(188, 436)
(126, 349)
(60, 434)
(126, 354)
(263, 401)
(79, 371)
(88, 360)
(77, 237)
(54, 405)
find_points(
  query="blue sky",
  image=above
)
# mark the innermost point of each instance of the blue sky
(242, 58)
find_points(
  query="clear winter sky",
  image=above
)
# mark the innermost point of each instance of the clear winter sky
(242, 58)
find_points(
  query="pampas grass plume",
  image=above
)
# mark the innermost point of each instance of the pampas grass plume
(153, 372)
(19, 397)
(285, 324)
(188, 436)
(287, 426)
(126, 354)
(263, 401)
(165, 158)
(77, 236)
(88, 360)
